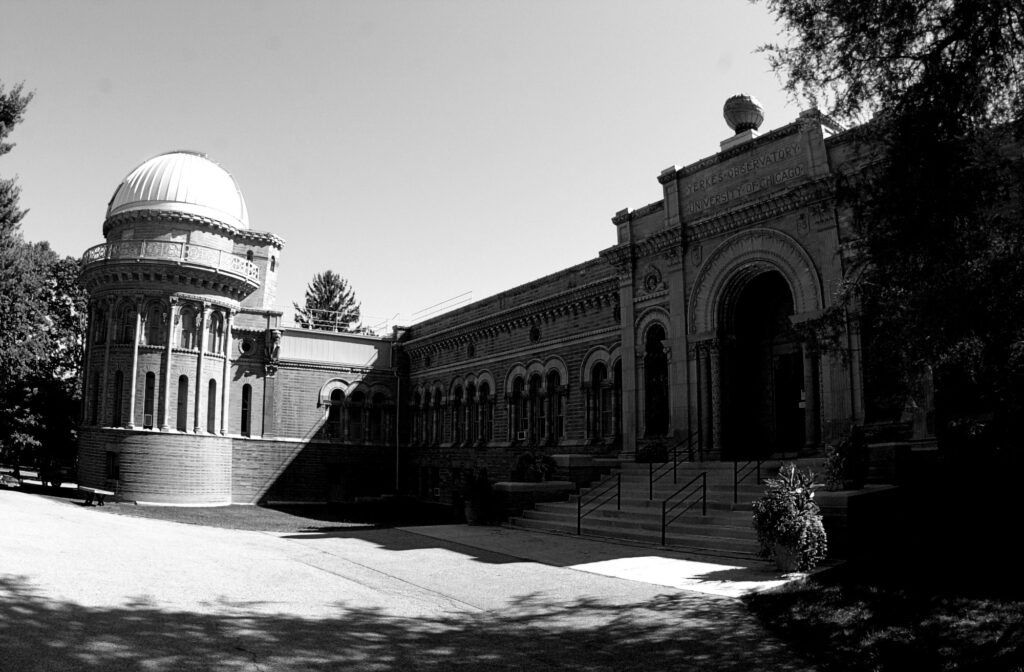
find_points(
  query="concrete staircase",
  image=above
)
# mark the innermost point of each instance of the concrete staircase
(725, 530)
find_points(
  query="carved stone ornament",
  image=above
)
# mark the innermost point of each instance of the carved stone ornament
(652, 280)
(273, 351)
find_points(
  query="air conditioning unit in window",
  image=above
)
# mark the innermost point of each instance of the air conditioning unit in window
(437, 492)
(521, 435)
(147, 420)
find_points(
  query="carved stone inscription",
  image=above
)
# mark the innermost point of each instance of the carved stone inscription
(743, 176)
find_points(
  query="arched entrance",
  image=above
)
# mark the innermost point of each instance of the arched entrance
(763, 371)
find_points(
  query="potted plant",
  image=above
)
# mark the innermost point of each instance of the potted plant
(476, 496)
(788, 522)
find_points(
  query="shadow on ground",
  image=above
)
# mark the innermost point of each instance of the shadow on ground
(678, 632)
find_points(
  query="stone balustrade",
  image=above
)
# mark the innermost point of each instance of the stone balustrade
(166, 250)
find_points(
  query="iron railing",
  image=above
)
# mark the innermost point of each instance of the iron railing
(167, 250)
(741, 472)
(610, 487)
(689, 495)
(670, 466)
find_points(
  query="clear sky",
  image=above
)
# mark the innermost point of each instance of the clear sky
(420, 148)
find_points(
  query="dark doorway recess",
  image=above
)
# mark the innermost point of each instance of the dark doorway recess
(764, 373)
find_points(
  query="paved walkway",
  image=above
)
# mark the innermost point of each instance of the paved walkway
(81, 589)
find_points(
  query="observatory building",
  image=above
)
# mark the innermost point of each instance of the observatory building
(689, 329)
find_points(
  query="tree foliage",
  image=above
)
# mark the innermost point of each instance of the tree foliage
(938, 210)
(330, 304)
(42, 316)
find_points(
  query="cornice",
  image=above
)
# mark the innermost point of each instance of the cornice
(506, 356)
(569, 302)
(670, 174)
(195, 220)
(623, 216)
(759, 211)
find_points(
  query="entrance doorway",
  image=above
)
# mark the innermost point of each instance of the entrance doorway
(763, 367)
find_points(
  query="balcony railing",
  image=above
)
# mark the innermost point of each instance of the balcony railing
(166, 250)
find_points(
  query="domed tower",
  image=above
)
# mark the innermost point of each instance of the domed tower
(178, 264)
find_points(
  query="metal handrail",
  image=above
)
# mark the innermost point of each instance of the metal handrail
(602, 488)
(169, 250)
(655, 475)
(742, 473)
(703, 499)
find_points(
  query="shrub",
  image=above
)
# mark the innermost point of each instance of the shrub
(533, 467)
(786, 516)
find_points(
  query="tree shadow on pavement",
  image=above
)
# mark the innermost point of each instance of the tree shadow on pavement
(678, 632)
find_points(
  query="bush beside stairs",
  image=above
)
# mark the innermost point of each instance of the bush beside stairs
(725, 531)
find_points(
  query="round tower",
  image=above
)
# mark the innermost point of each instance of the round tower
(178, 263)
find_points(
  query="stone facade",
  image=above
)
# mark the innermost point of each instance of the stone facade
(688, 332)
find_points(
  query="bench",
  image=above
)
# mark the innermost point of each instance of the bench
(94, 495)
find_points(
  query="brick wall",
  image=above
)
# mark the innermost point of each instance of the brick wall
(158, 467)
(274, 471)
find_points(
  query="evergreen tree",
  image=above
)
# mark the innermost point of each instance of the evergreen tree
(938, 212)
(330, 304)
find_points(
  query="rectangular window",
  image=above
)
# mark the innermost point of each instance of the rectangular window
(113, 470)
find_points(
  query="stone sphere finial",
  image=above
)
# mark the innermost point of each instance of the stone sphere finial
(743, 113)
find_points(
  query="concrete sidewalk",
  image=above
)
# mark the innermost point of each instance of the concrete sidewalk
(656, 566)
(82, 588)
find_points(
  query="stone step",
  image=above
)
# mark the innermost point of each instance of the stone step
(695, 543)
(685, 525)
(726, 518)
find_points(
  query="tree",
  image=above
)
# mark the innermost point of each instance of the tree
(42, 314)
(938, 211)
(330, 304)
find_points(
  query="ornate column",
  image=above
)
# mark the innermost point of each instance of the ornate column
(106, 359)
(201, 338)
(811, 425)
(165, 390)
(225, 385)
(90, 339)
(588, 411)
(135, 363)
(716, 396)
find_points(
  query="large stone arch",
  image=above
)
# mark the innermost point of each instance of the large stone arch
(745, 256)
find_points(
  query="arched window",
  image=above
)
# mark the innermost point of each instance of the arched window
(246, 415)
(332, 428)
(116, 417)
(148, 399)
(211, 407)
(555, 407)
(472, 414)
(126, 325)
(99, 329)
(535, 410)
(655, 383)
(486, 412)
(215, 333)
(355, 416)
(456, 408)
(153, 333)
(377, 425)
(182, 424)
(94, 399)
(435, 415)
(248, 256)
(519, 418)
(187, 328)
(273, 264)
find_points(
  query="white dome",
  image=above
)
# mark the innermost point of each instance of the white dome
(182, 181)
